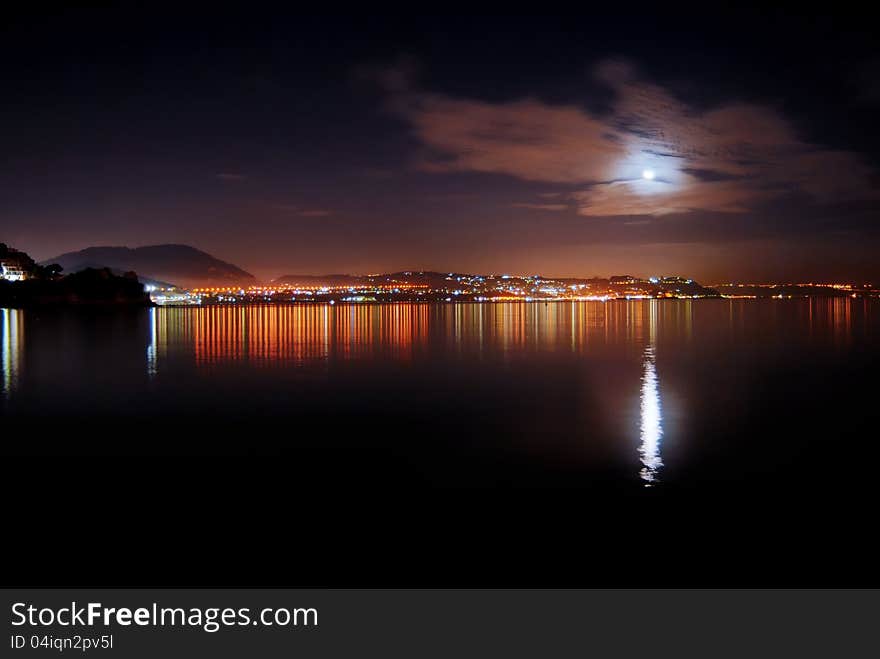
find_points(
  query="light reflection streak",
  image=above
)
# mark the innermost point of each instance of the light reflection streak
(11, 349)
(651, 430)
(151, 348)
(651, 421)
(271, 335)
(303, 334)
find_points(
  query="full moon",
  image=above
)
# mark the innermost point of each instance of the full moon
(648, 174)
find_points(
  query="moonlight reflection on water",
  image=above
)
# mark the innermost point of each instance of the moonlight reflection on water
(651, 421)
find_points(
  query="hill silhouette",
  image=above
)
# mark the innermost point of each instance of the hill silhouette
(182, 265)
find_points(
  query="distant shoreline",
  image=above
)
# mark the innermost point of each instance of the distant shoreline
(372, 303)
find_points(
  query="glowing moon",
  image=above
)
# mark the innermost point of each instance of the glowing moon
(648, 174)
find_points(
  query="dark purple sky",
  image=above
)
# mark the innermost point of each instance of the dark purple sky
(737, 146)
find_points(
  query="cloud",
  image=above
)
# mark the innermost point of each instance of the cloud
(732, 158)
(542, 207)
(526, 139)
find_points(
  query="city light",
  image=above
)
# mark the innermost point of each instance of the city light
(436, 287)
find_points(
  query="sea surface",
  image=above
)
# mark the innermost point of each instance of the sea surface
(627, 393)
(706, 442)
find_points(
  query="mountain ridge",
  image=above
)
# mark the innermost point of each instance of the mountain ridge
(181, 264)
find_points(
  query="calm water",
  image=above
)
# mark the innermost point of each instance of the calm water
(619, 395)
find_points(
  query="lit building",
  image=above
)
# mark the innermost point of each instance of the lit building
(11, 269)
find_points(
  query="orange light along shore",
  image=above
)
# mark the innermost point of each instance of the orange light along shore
(425, 286)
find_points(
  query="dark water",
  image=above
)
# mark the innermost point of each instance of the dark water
(624, 420)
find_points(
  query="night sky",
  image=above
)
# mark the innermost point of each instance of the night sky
(736, 146)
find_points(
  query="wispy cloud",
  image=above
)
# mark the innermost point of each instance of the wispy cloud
(541, 207)
(652, 154)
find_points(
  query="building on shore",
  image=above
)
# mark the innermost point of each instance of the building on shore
(12, 269)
